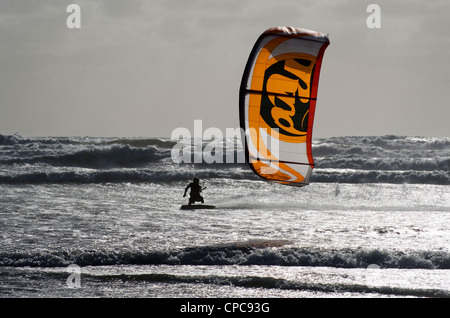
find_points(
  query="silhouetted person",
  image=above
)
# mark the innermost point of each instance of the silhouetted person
(195, 192)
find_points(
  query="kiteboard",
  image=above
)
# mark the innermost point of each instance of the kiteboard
(197, 207)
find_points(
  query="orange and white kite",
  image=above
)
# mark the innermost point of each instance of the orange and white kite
(277, 102)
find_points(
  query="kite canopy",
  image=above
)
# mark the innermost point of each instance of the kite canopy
(277, 103)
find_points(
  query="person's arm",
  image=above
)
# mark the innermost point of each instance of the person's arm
(185, 190)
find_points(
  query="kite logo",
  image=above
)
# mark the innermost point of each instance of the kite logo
(74, 19)
(374, 20)
(285, 98)
(280, 90)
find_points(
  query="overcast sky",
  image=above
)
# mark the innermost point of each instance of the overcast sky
(145, 67)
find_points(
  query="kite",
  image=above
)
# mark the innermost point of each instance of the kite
(277, 101)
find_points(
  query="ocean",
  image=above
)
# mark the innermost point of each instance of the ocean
(91, 217)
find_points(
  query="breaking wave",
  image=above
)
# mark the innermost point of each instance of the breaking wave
(376, 159)
(95, 157)
(233, 254)
(275, 283)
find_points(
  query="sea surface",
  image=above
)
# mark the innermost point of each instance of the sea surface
(100, 217)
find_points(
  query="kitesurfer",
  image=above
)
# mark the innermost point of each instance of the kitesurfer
(195, 192)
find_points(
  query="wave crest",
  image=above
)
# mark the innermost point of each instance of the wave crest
(376, 159)
(234, 254)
